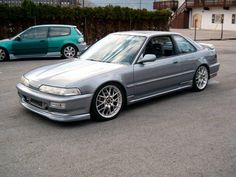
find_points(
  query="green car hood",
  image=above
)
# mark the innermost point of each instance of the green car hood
(6, 43)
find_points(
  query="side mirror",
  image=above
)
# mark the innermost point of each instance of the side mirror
(18, 38)
(148, 58)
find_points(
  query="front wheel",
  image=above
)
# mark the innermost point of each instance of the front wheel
(3, 55)
(107, 103)
(200, 80)
(69, 51)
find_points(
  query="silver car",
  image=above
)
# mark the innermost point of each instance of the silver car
(121, 69)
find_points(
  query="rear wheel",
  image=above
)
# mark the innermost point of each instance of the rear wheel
(200, 80)
(69, 51)
(3, 55)
(108, 102)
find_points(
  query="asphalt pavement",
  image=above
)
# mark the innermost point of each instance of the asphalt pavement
(184, 134)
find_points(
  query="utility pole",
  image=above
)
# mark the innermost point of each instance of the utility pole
(222, 26)
(140, 4)
(195, 29)
(83, 3)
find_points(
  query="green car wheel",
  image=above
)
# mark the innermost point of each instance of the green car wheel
(3, 55)
(69, 51)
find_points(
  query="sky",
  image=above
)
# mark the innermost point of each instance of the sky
(147, 4)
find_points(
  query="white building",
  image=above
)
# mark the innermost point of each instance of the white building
(205, 14)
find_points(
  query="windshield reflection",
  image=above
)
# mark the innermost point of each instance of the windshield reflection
(115, 48)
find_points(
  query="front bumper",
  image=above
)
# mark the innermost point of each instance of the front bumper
(76, 107)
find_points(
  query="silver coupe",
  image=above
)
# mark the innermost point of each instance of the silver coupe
(121, 69)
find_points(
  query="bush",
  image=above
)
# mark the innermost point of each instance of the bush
(93, 22)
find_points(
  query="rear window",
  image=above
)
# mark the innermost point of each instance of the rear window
(59, 31)
(183, 45)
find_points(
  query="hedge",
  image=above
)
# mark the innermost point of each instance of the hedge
(93, 22)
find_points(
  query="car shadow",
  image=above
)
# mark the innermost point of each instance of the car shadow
(130, 108)
(32, 59)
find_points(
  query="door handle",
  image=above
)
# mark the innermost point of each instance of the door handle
(175, 62)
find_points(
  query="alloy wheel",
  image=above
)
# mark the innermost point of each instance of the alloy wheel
(109, 101)
(2, 54)
(69, 52)
(201, 78)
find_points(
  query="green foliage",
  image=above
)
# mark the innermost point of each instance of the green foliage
(113, 17)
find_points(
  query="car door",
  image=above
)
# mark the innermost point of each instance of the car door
(32, 41)
(188, 57)
(161, 74)
(58, 36)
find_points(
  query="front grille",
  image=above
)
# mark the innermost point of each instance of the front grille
(36, 103)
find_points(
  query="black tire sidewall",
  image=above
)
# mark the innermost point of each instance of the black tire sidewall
(93, 111)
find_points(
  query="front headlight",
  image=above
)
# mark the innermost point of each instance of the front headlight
(59, 91)
(24, 81)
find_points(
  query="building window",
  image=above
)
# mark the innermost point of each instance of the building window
(233, 18)
(217, 18)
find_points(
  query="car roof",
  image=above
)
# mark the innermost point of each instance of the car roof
(146, 33)
(56, 25)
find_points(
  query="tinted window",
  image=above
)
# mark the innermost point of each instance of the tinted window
(160, 46)
(183, 45)
(59, 31)
(35, 33)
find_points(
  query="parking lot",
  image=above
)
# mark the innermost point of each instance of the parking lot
(184, 134)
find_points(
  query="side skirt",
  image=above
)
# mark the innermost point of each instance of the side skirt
(159, 94)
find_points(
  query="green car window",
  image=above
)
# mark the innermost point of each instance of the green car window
(35, 33)
(59, 31)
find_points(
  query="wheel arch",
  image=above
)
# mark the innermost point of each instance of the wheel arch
(69, 43)
(124, 91)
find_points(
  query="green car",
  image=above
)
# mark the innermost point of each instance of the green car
(43, 41)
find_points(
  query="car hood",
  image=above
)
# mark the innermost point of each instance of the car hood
(67, 73)
(5, 42)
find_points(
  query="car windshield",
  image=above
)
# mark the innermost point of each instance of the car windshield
(115, 48)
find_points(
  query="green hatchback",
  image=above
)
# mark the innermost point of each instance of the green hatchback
(43, 41)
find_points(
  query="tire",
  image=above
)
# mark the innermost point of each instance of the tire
(200, 79)
(4, 56)
(107, 103)
(69, 51)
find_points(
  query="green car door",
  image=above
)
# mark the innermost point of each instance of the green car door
(57, 37)
(32, 41)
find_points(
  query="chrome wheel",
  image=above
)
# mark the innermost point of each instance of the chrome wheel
(69, 51)
(201, 77)
(109, 101)
(3, 54)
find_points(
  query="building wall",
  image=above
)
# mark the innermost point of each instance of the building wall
(180, 2)
(206, 18)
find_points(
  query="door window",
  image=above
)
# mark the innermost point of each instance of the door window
(35, 33)
(59, 31)
(160, 46)
(183, 45)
